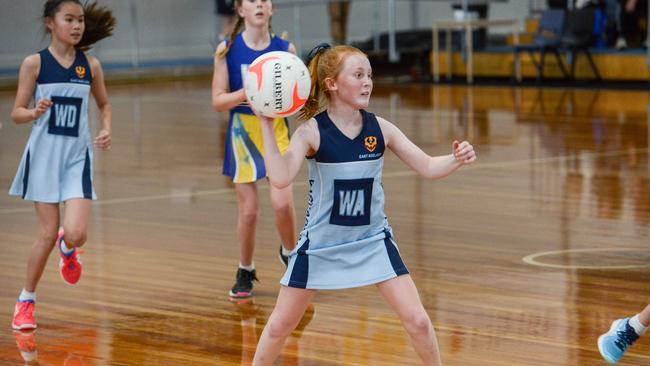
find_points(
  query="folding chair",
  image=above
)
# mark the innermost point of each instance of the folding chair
(547, 39)
(578, 36)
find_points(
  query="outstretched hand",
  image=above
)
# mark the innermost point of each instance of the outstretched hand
(463, 152)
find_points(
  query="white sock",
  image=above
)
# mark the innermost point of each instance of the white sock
(637, 326)
(64, 248)
(248, 268)
(27, 296)
(285, 252)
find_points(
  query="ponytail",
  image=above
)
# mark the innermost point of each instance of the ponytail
(313, 101)
(236, 29)
(100, 23)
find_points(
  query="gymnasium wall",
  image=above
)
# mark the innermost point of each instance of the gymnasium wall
(180, 30)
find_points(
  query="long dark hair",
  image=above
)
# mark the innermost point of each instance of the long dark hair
(99, 21)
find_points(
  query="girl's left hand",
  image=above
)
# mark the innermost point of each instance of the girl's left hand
(103, 139)
(463, 152)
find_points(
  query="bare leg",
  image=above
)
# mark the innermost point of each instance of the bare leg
(289, 309)
(403, 298)
(285, 215)
(644, 316)
(48, 226)
(75, 221)
(247, 220)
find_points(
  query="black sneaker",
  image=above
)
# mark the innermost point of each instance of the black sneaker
(244, 285)
(283, 258)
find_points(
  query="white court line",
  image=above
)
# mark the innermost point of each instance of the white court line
(532, 258)
(115, 201)
(402, 173)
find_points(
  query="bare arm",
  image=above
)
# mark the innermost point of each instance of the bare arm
(292, 48)
(222, 98)
(21, 113)
(282, 169)
(430, 167)
(98, 89)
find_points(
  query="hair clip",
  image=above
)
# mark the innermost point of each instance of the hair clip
(316, 50)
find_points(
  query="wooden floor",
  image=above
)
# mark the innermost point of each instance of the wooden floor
(521, 259)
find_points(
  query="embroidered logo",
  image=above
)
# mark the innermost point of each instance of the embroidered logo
(81, 71)
(370, 143)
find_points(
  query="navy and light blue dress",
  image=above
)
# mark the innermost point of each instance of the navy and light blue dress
(346, 241)
(244, 154)
(57, 164)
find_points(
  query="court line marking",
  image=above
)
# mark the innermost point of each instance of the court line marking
(403, 173)
(114, 201)
(532, 339)
(532, 258)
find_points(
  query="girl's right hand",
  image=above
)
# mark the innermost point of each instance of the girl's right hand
(263, 119)
(41, 107)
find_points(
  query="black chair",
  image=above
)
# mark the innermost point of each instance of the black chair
(547, 38)
(578, 36)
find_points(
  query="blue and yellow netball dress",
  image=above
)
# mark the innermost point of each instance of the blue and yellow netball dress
(346, 241)
(57, 164)
(244, 155)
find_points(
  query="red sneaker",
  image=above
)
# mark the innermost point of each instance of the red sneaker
(24, 316)
(69, 265)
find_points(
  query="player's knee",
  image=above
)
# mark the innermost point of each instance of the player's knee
(279, 328)
(48, 237)
(248, 217)
(418, 324)
(283, 209)
(282, 201)
(75, 237)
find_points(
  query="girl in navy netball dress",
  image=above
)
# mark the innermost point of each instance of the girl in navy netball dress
(347, 241)
(57, 164)
(244, 158)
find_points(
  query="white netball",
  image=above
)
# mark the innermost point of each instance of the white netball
(277, 84)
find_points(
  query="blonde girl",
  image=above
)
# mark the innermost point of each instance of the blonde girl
(244, 158)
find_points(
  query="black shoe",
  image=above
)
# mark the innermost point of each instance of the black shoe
(283, 258)
(244, 285)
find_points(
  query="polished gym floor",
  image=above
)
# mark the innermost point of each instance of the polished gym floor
(522, 259)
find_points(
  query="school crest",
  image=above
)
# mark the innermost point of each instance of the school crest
(370, 143)
(81, 71)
